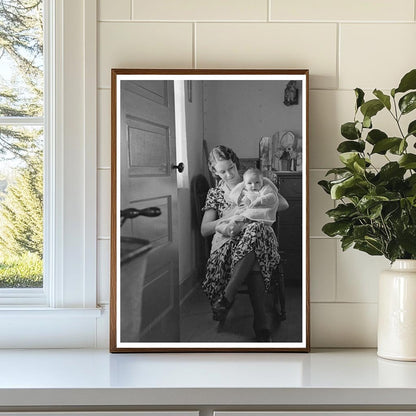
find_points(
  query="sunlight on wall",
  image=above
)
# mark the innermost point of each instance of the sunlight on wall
(181, 138)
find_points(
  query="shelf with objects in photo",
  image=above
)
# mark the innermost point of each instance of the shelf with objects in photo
(280, 159)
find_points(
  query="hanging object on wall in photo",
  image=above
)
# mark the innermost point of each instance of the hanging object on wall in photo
(291, 94)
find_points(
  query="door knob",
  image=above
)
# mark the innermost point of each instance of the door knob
(180, 167)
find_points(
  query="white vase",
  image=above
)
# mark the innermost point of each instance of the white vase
(397, 312)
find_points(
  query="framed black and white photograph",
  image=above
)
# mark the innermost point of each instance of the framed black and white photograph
(209, 211)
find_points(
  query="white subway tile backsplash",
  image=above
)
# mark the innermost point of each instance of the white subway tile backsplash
(104, 203)
(376, 55)
(341, 10)
(319, 203)
(344, 44)
(104, 129)
(328, 110)
(323, 269)
(200, 10)
(272, 45)
(347, 325)
(357, 275)
(142, 45)
(114, 10)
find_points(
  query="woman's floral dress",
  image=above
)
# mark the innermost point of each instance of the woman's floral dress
(255, 236)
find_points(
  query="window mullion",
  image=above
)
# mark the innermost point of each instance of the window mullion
(22, 121)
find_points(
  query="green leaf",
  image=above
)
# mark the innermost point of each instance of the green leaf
(369, 201)
(349, 146)
(367, 122)
(371, 108)
(349, 131)
(361, 231)
(385, 99)
(375, 136)
(350, 187)
(411, 180)
(359, 165)
(383, 145)
(411, 130)
(359, 94)
(391, 170)
(338, 171)
(346, 242)
(336, 228)
(408, 161)
(325, 186)
(342, 211)
(393, 250)
(408, 82)
(398, 149)
(348, 158)
(408, 102)
(375, 211)
(368, 248)
(412, 202)
(407, 239)
(338, 189)
(411, 184)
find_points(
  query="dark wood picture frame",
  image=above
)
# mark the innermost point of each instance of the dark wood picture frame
(146, 312)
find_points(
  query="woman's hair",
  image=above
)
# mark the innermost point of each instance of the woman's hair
(219, 153)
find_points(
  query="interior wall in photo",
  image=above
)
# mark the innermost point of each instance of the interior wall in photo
(238, 114)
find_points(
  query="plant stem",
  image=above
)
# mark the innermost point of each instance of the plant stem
(397, 118)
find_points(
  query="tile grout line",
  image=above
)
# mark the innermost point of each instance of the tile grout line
(194, 45)
(352, 302)
(338, 63)
(254, 21)
(269, 11)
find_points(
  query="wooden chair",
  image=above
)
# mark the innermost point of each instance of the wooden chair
(200, 187)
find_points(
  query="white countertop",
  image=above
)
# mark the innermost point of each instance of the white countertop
(96, 377)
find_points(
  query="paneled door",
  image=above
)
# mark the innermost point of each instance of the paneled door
(148, 179)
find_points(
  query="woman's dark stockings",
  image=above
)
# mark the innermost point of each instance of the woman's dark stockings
(243, 271)
(222, 306)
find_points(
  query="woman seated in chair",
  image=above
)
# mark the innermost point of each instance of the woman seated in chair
(251, 243)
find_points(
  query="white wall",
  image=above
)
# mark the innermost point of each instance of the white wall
(188, 267)
(345, 44)
(237, 114)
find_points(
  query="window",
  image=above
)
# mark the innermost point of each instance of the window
(22, 128)
(63, 313)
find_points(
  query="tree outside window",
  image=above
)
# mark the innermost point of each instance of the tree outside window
(21, 143)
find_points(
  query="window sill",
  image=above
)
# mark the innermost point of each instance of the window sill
(36, 312)
(40, 327)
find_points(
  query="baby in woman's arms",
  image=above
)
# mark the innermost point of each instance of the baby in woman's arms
(254, 199)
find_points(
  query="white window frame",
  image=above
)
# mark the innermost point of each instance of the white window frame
(64, 313)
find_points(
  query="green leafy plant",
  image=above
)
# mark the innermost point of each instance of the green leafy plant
(376, 209)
